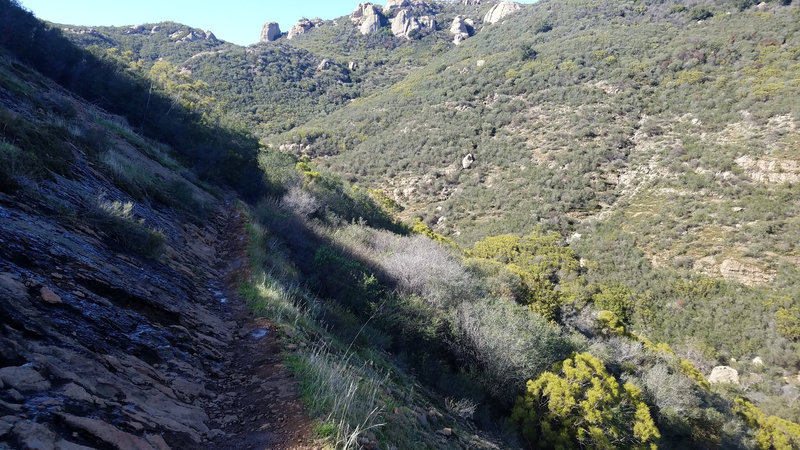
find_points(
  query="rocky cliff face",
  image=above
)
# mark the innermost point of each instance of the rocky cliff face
(460, 29)
(303, 26)
(367, 18)
(270, 32)
(406, 25)
(500, 11)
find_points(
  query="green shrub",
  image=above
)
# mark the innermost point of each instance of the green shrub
(583, 406)
(771, 432)
(616, 298)
(788, 320)
(118, 222)
(700, 13)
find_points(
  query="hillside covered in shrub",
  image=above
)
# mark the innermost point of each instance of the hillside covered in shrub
(617, 268)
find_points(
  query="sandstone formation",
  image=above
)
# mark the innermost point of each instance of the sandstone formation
(270, 32)
(301, 27)
(501, 11)
(367, 18)
(192, 36)
(744, 273)
(394, 4)
(404, 24)
(459, 30)
(724, 374)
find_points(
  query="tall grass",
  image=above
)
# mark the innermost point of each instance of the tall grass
(338, 387)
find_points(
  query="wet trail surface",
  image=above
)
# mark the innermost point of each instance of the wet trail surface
(258, 405)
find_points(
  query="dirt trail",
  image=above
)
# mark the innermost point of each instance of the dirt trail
(258, 405)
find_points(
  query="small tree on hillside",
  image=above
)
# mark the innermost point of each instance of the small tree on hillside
(585, 407)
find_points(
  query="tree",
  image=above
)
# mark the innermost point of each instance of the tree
(584, 406)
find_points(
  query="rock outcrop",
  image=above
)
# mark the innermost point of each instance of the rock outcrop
(501, 11)
(192, 36)
(394, 4)
(744, 273)
(270, 32)
(466, 163)
(368, 18)
(302, 27)
(724, 374)
(460, 30)
(404, 24)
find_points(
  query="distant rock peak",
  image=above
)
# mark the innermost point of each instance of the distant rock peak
(367, 18)
(404, 24)
(302, 27)
(270, 32)
(500, 11)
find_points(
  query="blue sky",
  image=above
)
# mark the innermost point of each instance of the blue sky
(237, 21)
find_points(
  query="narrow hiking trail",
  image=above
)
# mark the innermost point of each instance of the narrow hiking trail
(258, 405)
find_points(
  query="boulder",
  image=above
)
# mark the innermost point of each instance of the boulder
(757, 361)
(106, 433)
(394, 4)
(459, 30)
(404, 23)
(466, 163)
(724, 374)
(301, 27)
(49, 296)
(367, 18)
(11, 286)
(325, 64)
(270, 32)
(24, 379)
(500, 11)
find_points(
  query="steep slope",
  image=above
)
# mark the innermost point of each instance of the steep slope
(661, 144)
(113, 332)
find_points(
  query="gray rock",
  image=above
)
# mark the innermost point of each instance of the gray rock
(74, 392)
(105, 432)
(24, 379)
(270, 32)
(14, 395)
(7, 423)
